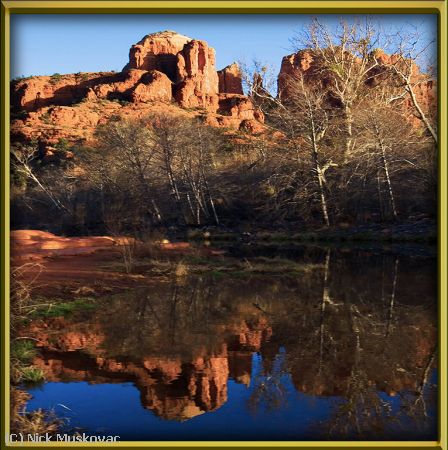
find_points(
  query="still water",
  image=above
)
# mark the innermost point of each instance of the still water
(343, 348)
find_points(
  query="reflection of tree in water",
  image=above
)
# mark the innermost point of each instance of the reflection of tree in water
(177, 318)
(378, 339)
(414, 404)
(365, 414)
(360, 332)
(362, 329)
(269, 390)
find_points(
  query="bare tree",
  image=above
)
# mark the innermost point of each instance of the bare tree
(303, 116)
(125, 163)
(22, 160)
(342, 58)
(409, 79)
(185, 153)
(155, 168)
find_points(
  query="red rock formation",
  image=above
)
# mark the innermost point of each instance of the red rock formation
(43, 125)
(239, 106)
(230, 81)
(32, 245)
(238, 112)
(293, 65)
(197, 76)
(39, 92)
(252, 126)
(161, 66)
(118, 86)
(30, 94)
(306, 64)
(153, 86)
(158, 51)
(424, 88)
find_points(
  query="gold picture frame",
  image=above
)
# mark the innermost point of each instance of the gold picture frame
(9, 8)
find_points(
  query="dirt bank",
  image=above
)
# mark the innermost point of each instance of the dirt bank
(68, 265)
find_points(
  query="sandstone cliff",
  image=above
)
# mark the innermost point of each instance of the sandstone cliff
(157, 51)
(307, 64)
(230, 80)
(166, 72)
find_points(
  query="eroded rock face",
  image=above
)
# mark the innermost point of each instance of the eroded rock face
(153, 86)
(77, 123)
(162, 67)
(32, 93)
(238, 112)
(158, 51)
(196, 73)
(40, 92)
(230, 80)
(292, 66)
(120, 87)
(305, 63)
(425, 89)
(238, 106)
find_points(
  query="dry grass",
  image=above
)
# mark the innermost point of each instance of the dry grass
(21, 288)
(36, 422)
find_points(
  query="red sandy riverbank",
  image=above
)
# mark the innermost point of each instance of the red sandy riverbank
(75, 264)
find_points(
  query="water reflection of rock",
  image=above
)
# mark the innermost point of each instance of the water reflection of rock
(173, 389)
(181, 343)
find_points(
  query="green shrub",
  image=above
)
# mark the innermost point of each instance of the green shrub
(22, 78)
(23, 351)
(19, 115)
(55, 78)
(82, 76)
(46, 118)
(32, 374)
(62, 144)
(65, 309)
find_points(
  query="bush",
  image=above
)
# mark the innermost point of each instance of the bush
(23, 351)
(55, 78)
(62, 145)
(46, 117)
(65, 309)
(19, 115)
(32, 375)
(82, 76)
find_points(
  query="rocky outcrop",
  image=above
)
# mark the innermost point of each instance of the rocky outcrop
(238, 106)
(425, 88)
(230, 80)
(43, 240)
(158, 51)
(30, 94)
(168, 72)
(153, 86)
(305, 63)
(292, 66)
(40, 92)
(162, 67)
(197, 76)
(237, 111)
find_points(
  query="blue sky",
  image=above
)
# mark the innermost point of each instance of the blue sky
(47, 44)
